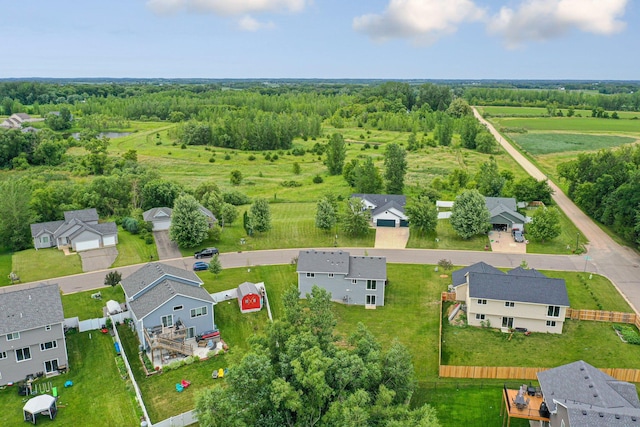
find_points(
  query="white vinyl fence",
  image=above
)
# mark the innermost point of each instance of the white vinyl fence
(93, 324)
(181, 420)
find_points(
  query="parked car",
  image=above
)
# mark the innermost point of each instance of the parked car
(200, 266)
(517, 236)
(208, 252)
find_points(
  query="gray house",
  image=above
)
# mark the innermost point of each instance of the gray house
(358, 280)
(503, 213)
(79, 230)
(578, 394)
(161, 217)
(31, 332)
(387, 210)
(168, 304)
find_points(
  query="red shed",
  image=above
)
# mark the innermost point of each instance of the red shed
(249, 297)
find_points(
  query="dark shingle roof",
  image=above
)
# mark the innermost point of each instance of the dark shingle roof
(28, 308)
(519, 271)
(384, 201)
(507, 202)
(84, 215)
(581, 387)
(153, 272)
(367, 267)
(323, 261)
(163, 292)
(529, 289)
(157, 213)
(458, 276)
(504, 207)
(49, 227)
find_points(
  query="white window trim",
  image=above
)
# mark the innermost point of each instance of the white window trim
(44, 365)
(372, 285)
(330, 275)
(371, 297)
(47, 328)
(509, 304)
(482, 301)
(480, 316)
(178, 307)
(552, 316)
(14, 336)
(311, 275)
(3, 355)
(551, 323)
(24, 359)
(202, 311)
(166, 316)
(54, 345)
(354, 281)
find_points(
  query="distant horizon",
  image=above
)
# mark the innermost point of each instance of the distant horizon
(552, 40)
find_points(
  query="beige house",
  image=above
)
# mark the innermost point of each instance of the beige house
(518, 299)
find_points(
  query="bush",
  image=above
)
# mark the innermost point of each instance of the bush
(148, 239)
(183, 146)
(291, 183)
(212, 160)
(629, 334)
(236, 198)
(318, 179)
(251, 157)
(131, 225)
(298, 152)
(227, 156)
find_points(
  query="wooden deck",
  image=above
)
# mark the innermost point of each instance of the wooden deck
(531, 412)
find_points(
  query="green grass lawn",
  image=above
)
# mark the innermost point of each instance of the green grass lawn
(81, 304)
(445, 238)
(133, 250)
(32, 265)
(567, 124)
(565, 243)
(99, 396)
(5, 267)
(545, 143)
(586, 293)
(503, 111)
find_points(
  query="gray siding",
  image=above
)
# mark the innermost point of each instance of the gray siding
(342, 289)
(201, 323)
(38, 244)
(12, 371)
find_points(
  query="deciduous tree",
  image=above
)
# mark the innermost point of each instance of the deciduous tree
(367, 179)
(469, 215)
(490, 182)
(260, 214)
(355, 220)
(189, 226)
(336, 153)
(395, 163)
(422, 213)
(15, 214)
(545, 224)
(326, 215)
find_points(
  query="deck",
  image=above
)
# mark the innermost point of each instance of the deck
(530, 412)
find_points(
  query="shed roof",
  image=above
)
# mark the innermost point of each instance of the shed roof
(247, 288)
(30, 307)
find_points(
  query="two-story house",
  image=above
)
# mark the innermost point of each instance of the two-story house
(518, 298)
(167, 304)
(32, 338)
(358, 280)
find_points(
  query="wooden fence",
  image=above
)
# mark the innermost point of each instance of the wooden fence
(521, 373)
(603, 316)
(448, 296)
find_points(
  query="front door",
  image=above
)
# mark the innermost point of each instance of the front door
(507, 322)
(371, 300)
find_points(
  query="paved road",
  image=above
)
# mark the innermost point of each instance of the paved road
(619, 263)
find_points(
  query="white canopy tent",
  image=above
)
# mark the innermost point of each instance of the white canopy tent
(43, 404)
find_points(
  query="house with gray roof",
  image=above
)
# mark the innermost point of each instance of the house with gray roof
(16, 120)
(32, 338)
(163, 299)
(503, 213)
(160, 217)
(387, 210)
(357, 280)
(577, 394)
(80, 230)
(519, 298)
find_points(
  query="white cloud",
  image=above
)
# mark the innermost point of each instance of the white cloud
(248, 23)
(548, 19)
(228, 7)
(422, 21)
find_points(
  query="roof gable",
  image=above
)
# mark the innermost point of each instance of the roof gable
(84, 215)
(30, 307)
(164, 291)
(152, 214)
(459, 276)
(152, 273)
(507, 202)
(380, 200)
(247, 288)
(528, 289)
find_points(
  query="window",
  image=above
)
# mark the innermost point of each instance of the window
(311, 274)
(191, 331)
(354, 281)
(23, 354)
(47, 328)
(48, 345)
(13, 336)
(551, 323)
(3, 354)
(167, 320)
(177, 307)
(44, 239)
(200, 311)
(330, 275)
(479, 316)
(507, 322)
(482, 301)
(371, 285)
(371, 300)
(553, 311)
(509, 304)
(51, 365)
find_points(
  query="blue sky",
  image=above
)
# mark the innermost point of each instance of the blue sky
(390, 39)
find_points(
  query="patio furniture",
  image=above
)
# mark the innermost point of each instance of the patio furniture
(185, 383)
(214, 374)
(538, 392)
(531, 390)
(520, 402)
(179, 388)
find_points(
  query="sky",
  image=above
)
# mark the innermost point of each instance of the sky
(330, 39)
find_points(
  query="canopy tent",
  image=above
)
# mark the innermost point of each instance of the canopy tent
(43, 404)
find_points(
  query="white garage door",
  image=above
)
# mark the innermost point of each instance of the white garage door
(109, 240)
(161, 225)
(91, 244)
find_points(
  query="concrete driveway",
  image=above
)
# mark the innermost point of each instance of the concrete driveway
(502, 241)
(98, 259)
(391, 237)
(166, 248)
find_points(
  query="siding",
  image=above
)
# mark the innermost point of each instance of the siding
(525, 315)
(338, 286)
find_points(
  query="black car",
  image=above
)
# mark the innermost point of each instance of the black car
(206, 253)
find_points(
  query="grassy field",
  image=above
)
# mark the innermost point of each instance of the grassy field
(98, 397)
(547, 143)
(133, 250)
(502, 111)
(567, 124)
(81, 304)
(32, 265)
(565, 243)
(445, 238)
(5, 267)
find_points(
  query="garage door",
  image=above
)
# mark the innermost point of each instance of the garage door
(404, 223)
(386, 223)
(161, 225)
(109, 240)
(91, 244)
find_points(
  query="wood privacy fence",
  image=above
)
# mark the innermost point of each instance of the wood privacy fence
(448, 296)
(520, 373)
(603, 316)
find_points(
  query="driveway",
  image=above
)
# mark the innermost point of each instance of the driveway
(502, 241)
(392, 237)
(98, 259)
(166, 248)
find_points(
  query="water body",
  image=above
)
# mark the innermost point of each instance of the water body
(110, 135)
